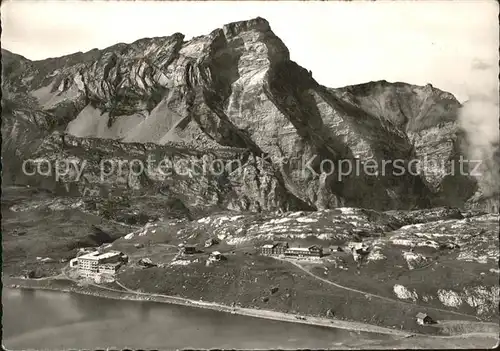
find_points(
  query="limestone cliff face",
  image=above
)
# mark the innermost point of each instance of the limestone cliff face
(237, 88)
(428, 118)
(202, 181)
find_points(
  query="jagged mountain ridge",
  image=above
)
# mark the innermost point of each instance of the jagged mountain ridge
(238, 88)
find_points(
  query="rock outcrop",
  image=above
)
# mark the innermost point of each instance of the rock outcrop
(235, 89)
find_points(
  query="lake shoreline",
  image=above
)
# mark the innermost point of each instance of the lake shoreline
(401, 339)
(109, 293)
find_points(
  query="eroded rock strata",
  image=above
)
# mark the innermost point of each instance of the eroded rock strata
(236, 89)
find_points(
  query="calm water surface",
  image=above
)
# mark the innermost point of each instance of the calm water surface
(35, 319)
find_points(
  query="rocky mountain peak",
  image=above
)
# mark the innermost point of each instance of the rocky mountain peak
(258, 24)
(237, 88)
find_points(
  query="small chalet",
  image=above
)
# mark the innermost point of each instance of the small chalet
(211, 242)
(216, 256)
(336, 248)
(424, 319)
(29, 274)
(146, 262)
(189, 249)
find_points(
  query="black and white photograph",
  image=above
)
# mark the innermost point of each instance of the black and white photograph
(250, 175)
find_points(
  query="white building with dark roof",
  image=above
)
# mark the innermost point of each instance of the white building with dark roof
(95, 263)
(311, 251)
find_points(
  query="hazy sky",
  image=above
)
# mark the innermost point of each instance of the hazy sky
(450, 44)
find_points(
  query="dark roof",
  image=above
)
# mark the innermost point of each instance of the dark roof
(280, 243)
(422, 315)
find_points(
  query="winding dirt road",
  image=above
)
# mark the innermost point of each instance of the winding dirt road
(329, 282)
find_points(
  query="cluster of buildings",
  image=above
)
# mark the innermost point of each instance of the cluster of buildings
(283, 249)
(97, 265)
(357, 249)
(215, 256)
